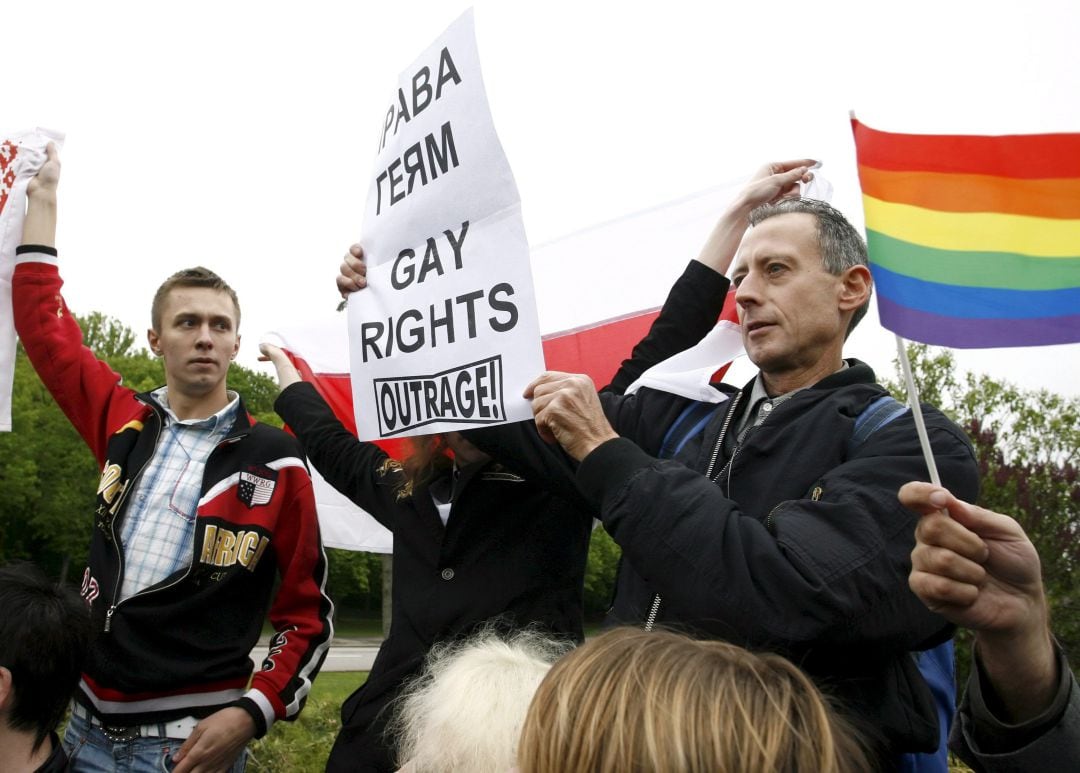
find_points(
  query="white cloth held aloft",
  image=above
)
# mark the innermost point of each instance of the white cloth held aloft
(21, 156)
(818, 188)
(689, 372)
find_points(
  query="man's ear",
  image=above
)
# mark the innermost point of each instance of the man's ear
(154, 340)
(855, 284)
(236, 348)
(7, 688)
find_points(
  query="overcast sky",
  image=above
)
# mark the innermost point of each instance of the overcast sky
(241, 135)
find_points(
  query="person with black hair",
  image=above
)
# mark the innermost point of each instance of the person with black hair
(44, 630)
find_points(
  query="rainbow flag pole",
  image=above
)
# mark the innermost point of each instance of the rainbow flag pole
(916, 411)
(974, 240)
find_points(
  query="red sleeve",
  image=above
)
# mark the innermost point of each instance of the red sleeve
(86, 389)
(302, 612)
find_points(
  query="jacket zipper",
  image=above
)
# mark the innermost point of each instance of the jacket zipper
(654, 610)
(120, 580)
(769, 519)
(650, 621)
(116, 537)
(720, 439)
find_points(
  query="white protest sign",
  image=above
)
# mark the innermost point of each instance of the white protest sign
(445, 336)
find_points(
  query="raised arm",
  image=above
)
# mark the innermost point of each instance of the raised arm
(697, 297)
(363, 472)
(86, 389)
(772, 182)
(39, 225)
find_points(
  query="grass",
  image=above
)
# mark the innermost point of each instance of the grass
(354, 625)
(303, 746)
(347, 625)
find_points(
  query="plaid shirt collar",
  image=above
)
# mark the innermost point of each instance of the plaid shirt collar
(212, 423)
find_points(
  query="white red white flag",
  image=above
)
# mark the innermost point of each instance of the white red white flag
(21, 155)
(597, 291)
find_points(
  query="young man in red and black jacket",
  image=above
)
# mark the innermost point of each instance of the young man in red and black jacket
(199, 511)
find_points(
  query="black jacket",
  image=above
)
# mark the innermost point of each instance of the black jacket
(515, 544)
(510, 550)
(795, 546)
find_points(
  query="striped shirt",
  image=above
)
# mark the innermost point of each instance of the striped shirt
(159, 524)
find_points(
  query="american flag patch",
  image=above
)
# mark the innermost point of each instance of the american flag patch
(255, 489)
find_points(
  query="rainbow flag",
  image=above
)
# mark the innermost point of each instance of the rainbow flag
(974, 240)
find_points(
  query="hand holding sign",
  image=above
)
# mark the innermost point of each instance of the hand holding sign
(567, 410)
(353, 272)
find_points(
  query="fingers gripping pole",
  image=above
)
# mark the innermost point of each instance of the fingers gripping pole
(916, 411)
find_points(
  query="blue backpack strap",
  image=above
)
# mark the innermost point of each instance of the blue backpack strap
(873, 417)
(690, 422)
(938, 664)
(938, 667)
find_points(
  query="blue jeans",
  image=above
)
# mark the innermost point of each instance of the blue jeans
(91, 752)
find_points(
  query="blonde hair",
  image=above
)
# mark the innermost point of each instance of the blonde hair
(633, 700)
(464, 712)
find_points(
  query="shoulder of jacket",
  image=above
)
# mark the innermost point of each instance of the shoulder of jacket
(140, 415)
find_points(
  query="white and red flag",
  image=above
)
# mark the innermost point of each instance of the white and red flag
(597, 291)
(456, 301)
(21, 155)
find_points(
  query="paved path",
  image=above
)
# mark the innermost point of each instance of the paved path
(344, 655)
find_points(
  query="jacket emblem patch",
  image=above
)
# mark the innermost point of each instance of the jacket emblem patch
(256, 486)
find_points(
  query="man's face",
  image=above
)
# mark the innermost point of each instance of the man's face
(198, 339)
(788, 303)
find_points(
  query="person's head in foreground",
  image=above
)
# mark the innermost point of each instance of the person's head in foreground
(44, 630)
(633, 700)
(464, 713)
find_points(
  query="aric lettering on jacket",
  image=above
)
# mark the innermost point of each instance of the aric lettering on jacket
(224, 547)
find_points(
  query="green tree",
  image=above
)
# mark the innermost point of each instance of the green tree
(106, 336)
(600, 571)
(259, 392)
(355, 580)
(47, 471)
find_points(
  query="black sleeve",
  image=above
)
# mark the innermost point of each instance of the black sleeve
(813, 569)
(363, 472)
(986, 743)
(689, 313)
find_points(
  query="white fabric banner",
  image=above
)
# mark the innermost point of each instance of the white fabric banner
(21, 156)
(446, 335)
(588, 282)
(619, 269)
